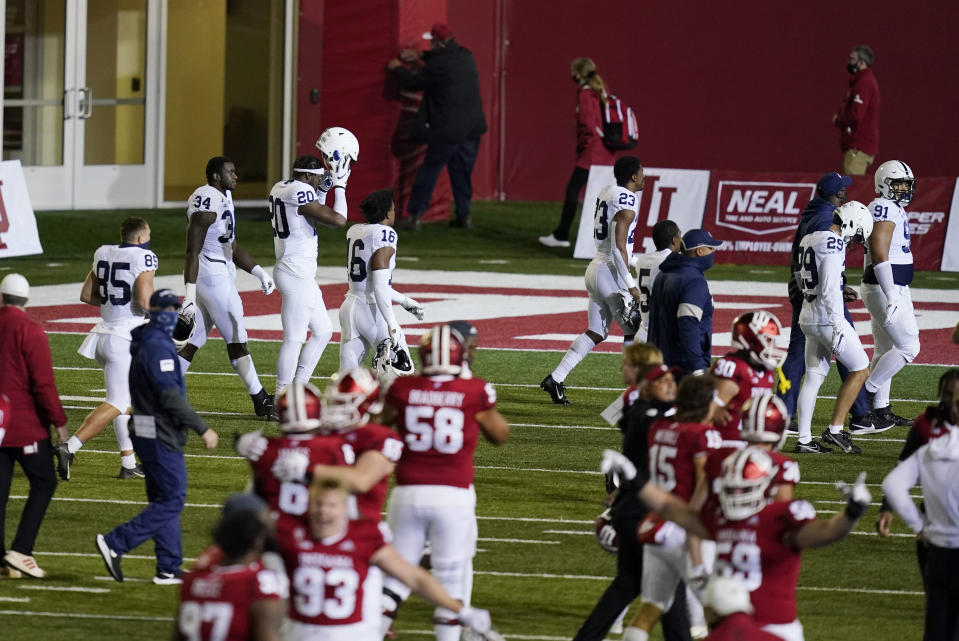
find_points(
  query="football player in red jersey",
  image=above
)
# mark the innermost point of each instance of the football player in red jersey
(677, 455)
(440, 417)
(749, 371)
(234, 598)
(334, 595)
(764, 426)
(760, 541)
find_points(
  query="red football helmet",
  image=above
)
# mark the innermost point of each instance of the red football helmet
(442, 350)
(351, 397)
(605, 533)
(764, 420)
(299, 406)
(746, 476)
(758, 333)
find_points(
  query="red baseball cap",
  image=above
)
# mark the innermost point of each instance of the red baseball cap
(439, 31)
(658, 371)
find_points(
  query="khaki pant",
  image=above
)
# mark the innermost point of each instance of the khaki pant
(855, 162)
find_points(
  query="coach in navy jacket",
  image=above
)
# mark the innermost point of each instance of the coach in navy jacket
(161, 418)
(681, 307)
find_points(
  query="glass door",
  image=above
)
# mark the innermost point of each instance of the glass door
(84, 124)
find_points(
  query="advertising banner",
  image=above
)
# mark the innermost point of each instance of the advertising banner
(18, 227)
(757, 215)
(675, 194)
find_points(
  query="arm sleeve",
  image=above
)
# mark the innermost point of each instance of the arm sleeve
(897, 485)
(883, 273)
(178, 409)
(383, 294)
(830, 274)
(43, 388)
(622, 269)
(689, 317)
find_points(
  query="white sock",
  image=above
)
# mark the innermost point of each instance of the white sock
(247, 372)
(121, 427)
(835, 429)
(446, 632)
(886, 367)
(129, 461)
(74, 444)
(635, 634)
(184, 364)
(581, 346)
(619, 620)
(696, 615)
(806, 403)
(286, 363)
(310, 355)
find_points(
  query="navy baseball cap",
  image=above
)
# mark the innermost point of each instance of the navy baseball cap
(240, 502)
(164, 298)
(831, 184)
(695, 238)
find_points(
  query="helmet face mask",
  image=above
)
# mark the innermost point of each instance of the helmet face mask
(855, 222)
(352, 396)
(746, 477)
(299, 406)
(391, 361)
(765, 419)
(759, 333)
(894, 180)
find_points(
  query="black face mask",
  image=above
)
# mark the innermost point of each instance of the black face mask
(852, 68)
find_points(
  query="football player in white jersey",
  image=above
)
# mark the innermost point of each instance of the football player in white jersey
(667, 239)
(296, 208)
(822, 259)
(885, 284)
(366, 315)
(120, 283)
(608, 275)
(209, 272)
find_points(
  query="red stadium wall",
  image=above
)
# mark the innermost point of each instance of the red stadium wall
(750, 85)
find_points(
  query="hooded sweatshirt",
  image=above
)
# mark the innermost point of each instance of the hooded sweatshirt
(681, 312)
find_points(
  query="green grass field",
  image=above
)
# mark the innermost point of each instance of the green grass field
(539, 569)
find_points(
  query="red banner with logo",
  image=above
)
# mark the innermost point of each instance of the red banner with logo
(757, 215)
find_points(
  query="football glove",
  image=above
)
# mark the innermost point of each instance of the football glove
(631, 316)
(613, 461)
(857, 496)
(291, 466)
(251, 445)
(893, 307)
(475, 619)
(341, 172)
(414, 308)
(183, 331)
(266, 283)
(326, 181)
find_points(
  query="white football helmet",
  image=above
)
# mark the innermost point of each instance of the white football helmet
(349, 400)
(299, 406)
(746, 476)
(337, 143)
(726, 595)
(895, 181)
(391, 361)
(856, 225)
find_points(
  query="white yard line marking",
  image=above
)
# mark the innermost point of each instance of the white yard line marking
(14, 599)
(529, 519)
(576, 532)
(128, 579)
(84, 615)
(860, 590)
(55, 588)
(143, 557)
(532, 541)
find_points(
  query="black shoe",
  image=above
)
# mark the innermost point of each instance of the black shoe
(556, 391)
(886, 414)
(812, 447)
(110, 558)
(131, 473)
(462, 223)
(262, 403)
(64, 460)
(842, 440)
(869, 423)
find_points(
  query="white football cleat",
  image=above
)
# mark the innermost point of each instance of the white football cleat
(552, 241)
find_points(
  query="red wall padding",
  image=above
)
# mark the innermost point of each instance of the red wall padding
(748, 85)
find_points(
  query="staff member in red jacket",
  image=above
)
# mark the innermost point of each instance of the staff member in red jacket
(858, 115)
(26, 378)
(589, 144)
